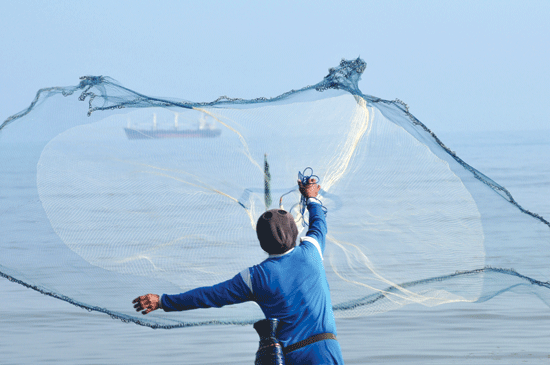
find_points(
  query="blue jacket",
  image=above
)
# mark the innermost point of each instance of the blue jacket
(291, 287)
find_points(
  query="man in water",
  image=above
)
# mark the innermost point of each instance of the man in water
(290, 285)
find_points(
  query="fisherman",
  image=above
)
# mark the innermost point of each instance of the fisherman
(290, 286)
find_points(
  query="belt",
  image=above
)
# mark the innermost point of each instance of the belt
(309, 341)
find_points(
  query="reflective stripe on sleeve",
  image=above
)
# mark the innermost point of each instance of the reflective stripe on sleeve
(245, 274)
(315, 243)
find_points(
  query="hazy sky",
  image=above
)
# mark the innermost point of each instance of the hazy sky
(459, 65)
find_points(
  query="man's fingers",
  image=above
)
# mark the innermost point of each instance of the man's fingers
(311, 180)
(310, 189)
(143, 309)
(140, 302)
(148, 309)
(145, 303)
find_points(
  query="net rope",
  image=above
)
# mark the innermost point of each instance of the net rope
(108, 194)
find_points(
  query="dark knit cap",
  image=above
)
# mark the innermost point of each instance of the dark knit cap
(276, 231)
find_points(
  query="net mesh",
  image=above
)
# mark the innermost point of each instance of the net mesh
(108, 194)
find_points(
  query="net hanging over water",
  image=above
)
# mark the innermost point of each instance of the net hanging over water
(107, 194)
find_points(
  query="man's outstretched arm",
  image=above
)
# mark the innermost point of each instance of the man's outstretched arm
(232, 291)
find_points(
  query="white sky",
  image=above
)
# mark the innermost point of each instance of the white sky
(459, 65)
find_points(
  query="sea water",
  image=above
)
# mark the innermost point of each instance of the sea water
(508, 329)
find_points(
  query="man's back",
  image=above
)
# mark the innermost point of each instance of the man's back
(293, 288)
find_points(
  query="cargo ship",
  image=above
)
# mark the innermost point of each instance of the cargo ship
(204, 130)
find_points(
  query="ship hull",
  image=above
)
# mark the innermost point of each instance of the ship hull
(167, 133)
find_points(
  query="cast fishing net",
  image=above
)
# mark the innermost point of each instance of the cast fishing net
(107, 194)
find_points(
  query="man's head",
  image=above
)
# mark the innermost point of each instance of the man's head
(276, 231)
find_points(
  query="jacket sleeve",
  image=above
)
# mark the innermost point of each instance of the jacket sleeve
(229, 292)
(317, 223)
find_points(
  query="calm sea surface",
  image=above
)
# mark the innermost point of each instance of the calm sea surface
(509, 329)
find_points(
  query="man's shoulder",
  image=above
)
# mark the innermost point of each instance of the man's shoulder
(311, 244)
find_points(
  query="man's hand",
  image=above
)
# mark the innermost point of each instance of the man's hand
(311, 189)
(146, 303)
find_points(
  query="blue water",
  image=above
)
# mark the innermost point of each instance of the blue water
(508, 329)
